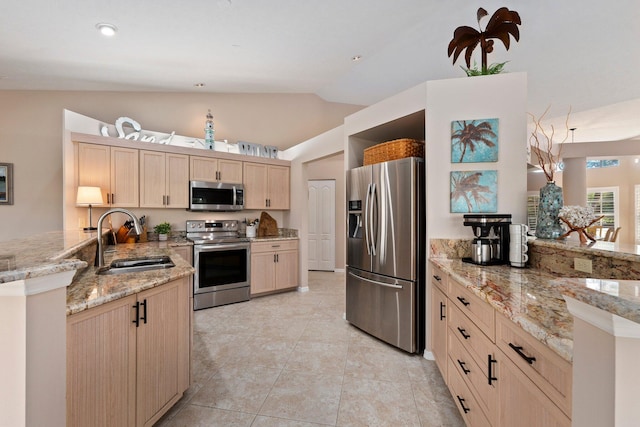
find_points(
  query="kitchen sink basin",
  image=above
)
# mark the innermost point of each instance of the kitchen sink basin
(132, 265)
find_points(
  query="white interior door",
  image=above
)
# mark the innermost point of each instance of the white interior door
(322, 225)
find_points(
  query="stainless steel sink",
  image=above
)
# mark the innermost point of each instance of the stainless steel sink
(132, 265)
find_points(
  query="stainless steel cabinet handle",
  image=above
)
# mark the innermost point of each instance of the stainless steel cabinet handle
(168, 201)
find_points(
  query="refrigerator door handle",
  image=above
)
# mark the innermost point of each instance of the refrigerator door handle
(375, 282)
(367, 220)
(371, 219)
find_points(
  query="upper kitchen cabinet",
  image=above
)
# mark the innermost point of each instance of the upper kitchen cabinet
(266, 186)
(164, 180)
(113, 169)
(215, 170)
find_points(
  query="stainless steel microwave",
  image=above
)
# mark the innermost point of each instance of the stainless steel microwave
(215, 196)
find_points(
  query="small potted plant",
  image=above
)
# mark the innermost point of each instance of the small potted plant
(162, 229)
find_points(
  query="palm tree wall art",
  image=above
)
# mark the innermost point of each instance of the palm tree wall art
(474, 141)
(474, 191)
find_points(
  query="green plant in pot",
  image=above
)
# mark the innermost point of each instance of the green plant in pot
(162, 230)
(502, 25)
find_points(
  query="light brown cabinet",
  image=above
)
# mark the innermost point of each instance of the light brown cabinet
(498, 374)
(439, 304)
(266, 186)
(113, 169)
(274, 266)
(215, 170)
(164, 180)
(128, 360)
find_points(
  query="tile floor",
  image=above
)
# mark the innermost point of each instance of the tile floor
(291, 360)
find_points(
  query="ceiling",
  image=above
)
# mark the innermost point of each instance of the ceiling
(579, 53)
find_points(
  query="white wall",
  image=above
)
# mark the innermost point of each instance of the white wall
(501, 96)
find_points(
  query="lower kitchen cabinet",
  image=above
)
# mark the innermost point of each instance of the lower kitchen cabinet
(498, 374)
(128, 360)
(522, 402)
(274, 266)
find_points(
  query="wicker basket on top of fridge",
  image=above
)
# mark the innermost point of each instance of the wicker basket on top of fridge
(393, 150)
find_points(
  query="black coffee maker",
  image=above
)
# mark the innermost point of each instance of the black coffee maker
(491, 243)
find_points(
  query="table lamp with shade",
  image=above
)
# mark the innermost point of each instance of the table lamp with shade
(89, 196)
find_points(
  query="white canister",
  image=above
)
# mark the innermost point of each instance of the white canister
(251, 230)
(518, 246)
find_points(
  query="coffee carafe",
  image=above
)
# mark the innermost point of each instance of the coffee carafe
(491, 243)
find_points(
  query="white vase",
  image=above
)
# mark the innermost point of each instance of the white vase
(162, 237)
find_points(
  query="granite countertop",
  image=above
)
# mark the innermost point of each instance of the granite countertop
(42, 255)
(534, 299)
(90, 290)
(598, 248)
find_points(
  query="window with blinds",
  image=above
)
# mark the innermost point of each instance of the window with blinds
(637, 214)
(604, 201)
(533, 198)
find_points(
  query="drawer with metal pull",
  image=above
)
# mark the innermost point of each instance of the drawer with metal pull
(545, 368)
(465, 401)
(439, 278)
(479, 311)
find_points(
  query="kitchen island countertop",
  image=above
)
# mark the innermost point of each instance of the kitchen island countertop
(535, 300)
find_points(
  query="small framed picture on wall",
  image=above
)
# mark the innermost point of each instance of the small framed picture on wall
(6, 183)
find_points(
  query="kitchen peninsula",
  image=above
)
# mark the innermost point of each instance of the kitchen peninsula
(559, 348)
(45, 281)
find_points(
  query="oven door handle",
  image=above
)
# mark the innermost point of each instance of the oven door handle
(224, 246)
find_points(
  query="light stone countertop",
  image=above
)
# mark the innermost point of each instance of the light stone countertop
(42, 255)
(534, 299)
(90, 290)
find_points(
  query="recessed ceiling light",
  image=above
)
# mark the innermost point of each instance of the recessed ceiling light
(108, 30)
(356, 58)
(199, 84)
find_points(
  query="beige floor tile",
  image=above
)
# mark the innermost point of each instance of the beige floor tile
(262, 421)
(304, 397)
(435, 406)
(334, 330)
(366, 402)
(200, 416)
(318, 358)
(385, 364)
(238, 388)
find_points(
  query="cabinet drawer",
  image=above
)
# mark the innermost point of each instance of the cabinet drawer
(274, 246)
(479, 311)
(471, 337)
(545, 368)
(439, 278)
(465, 401)
(477, 376)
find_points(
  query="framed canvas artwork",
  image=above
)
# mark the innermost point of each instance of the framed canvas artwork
(474, 191)
(474, 141)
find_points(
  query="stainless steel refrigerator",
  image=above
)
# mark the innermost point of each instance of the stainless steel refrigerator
(386, 252)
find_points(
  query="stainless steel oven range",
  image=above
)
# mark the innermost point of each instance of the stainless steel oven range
(221, 259)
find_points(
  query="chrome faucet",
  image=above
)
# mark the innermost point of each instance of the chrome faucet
(100, 251)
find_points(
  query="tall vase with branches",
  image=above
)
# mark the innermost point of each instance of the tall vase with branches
(548, 225)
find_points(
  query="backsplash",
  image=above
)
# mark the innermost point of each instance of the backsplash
(555, 257)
